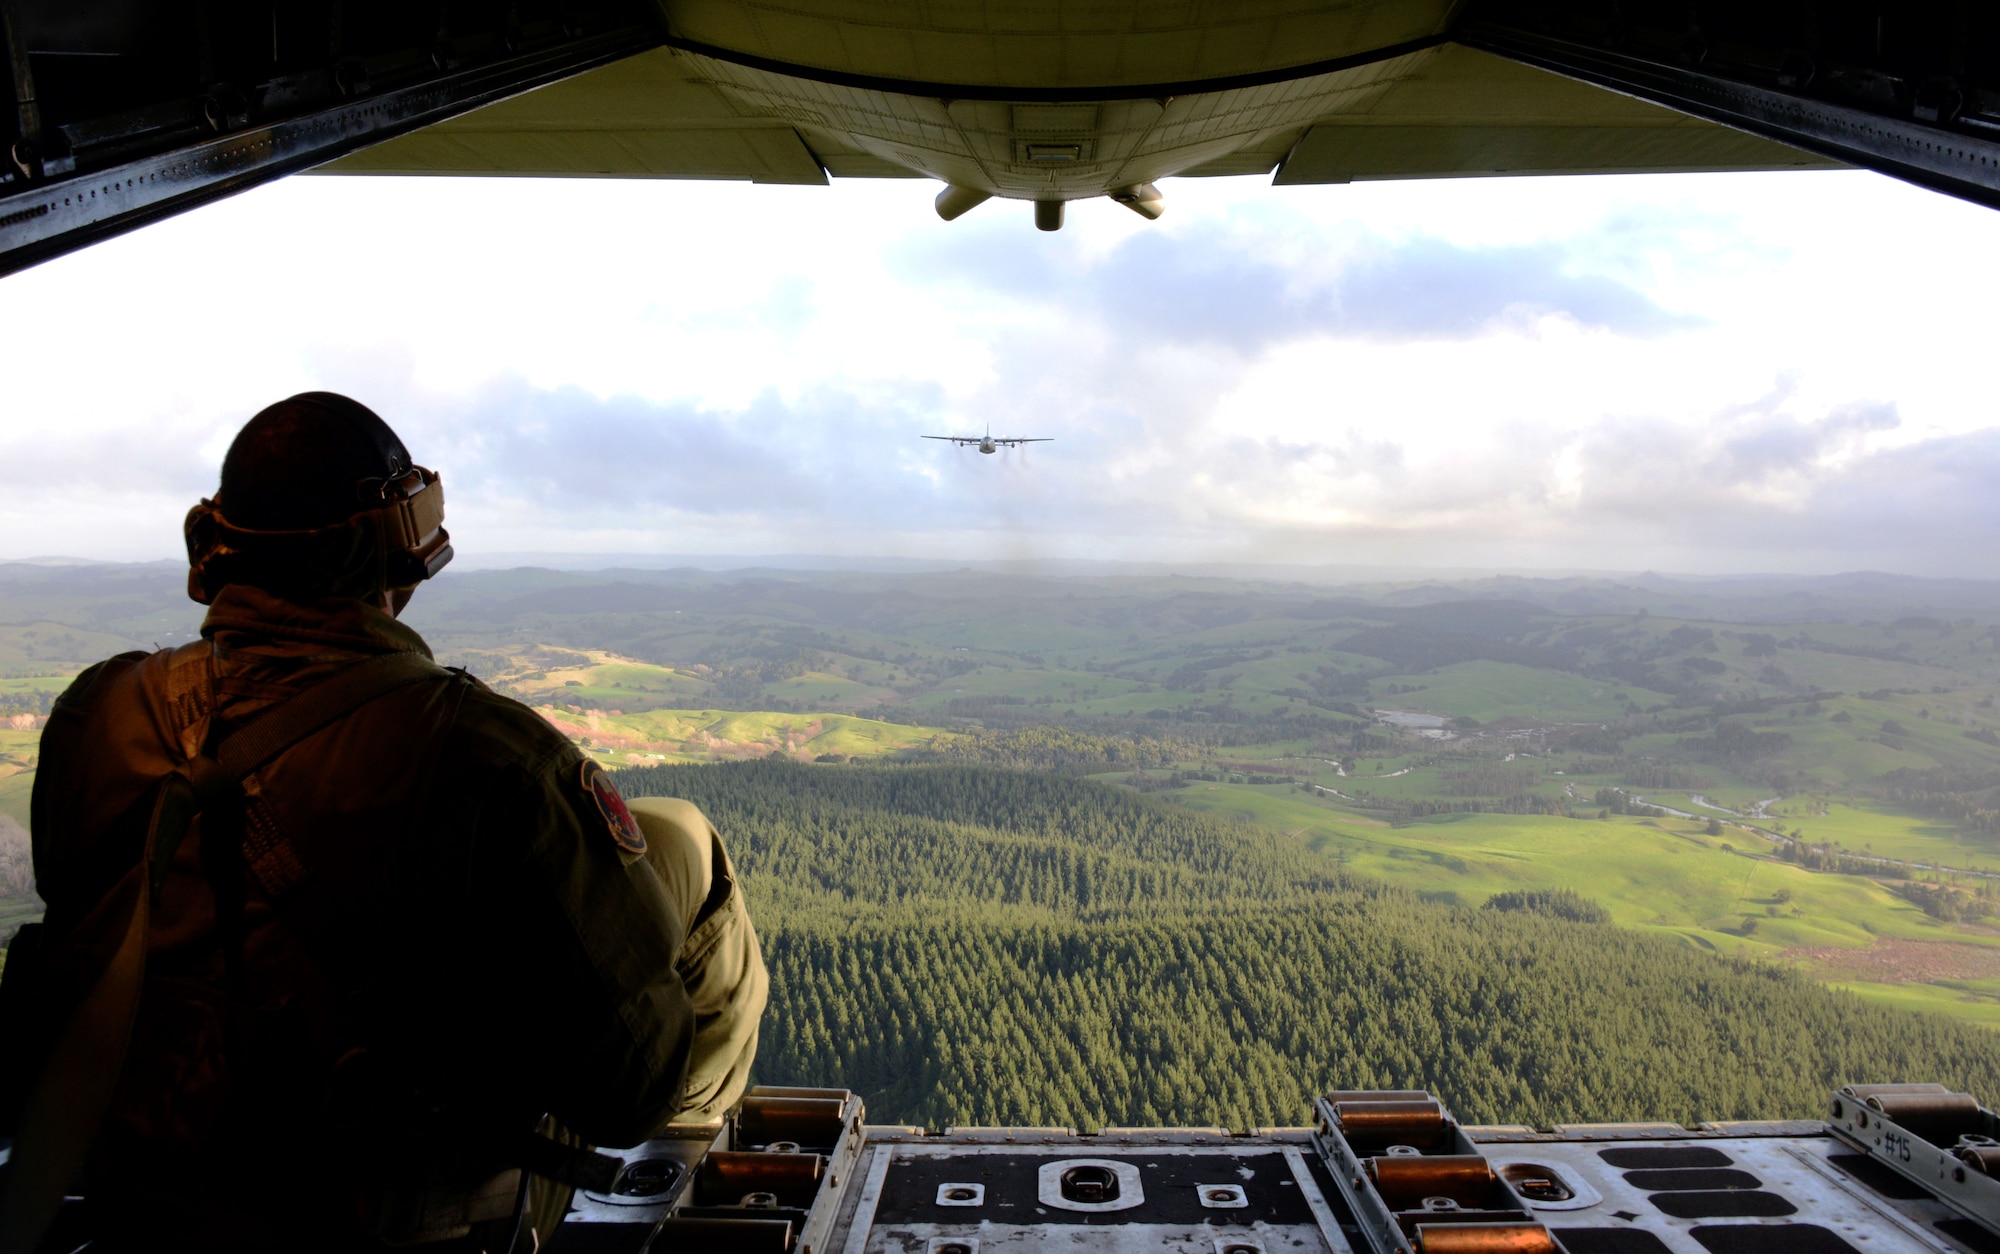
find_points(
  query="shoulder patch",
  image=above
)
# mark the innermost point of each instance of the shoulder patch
(624, 828)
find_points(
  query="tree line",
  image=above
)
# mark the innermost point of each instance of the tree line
(1062, 749)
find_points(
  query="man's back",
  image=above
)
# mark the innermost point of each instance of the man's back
(406, 875)
(368, 921)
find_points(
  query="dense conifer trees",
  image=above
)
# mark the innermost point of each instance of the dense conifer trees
(968, 945)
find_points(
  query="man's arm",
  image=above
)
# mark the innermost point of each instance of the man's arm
(590, 991)
(720, 963)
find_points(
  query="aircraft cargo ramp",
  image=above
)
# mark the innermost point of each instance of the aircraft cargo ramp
(1892, 1168)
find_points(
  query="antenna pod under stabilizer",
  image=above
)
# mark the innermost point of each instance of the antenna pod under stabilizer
(955, 200)
(1143, 199)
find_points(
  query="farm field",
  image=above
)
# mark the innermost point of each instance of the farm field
(34, 686)
(714, 735)
(1486, 691)
(1981, 1007)
(1655, 875)
(33, 649)
(1875, 830)
(1865, 828)
(626, 712)
(17, 759)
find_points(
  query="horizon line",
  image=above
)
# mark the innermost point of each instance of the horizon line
(604, 562)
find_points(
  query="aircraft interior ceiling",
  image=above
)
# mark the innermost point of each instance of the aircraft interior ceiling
(124, 112)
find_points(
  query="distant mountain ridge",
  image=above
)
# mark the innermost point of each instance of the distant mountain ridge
(1737, 598)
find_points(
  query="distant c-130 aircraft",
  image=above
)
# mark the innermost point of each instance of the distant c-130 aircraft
(990, 443)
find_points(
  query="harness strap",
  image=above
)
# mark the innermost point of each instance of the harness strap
(211, 777)
(332, 698)
(73, 1093)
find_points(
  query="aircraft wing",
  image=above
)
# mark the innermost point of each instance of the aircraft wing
(1024, 439)
(955, 439)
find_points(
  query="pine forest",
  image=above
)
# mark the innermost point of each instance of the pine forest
(969, 945)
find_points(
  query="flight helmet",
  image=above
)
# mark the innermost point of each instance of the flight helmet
(318, 498)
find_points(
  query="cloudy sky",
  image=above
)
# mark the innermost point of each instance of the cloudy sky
(1788, 373)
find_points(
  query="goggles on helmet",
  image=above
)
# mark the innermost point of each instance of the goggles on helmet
(396, 544)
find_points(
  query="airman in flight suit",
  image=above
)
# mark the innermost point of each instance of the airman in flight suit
(410, 936)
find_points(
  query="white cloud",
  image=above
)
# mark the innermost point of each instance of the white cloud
(1698, 373)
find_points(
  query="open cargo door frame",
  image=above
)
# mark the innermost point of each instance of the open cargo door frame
(109, 163)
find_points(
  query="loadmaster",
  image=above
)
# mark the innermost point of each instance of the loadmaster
(344, 950)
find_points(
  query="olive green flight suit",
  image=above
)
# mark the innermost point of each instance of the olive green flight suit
(427, 927)
(720, 965)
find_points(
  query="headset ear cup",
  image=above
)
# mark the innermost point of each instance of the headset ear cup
(439, 557)
(198, 532)
(378, 540)
(399, 566)
(406, 569)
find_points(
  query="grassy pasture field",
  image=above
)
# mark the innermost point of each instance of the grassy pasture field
(1866, 828)
(724, 735)
(1658, 875)
(29, 650)
(1973, 1001)
(627, 712)
(35, 684)
(1486, 691)
(818, 688)
(17, 776)
(14, 791)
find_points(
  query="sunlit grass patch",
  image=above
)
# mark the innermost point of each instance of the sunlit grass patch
(1972, 1007)
(1490, 690)
(1874, 829)
(1666, 876)
(14, 792)
(632, 739)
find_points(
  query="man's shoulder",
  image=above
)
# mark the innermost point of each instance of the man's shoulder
(93, 682)
(502, 731)
(519, 758)
(103, 709)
